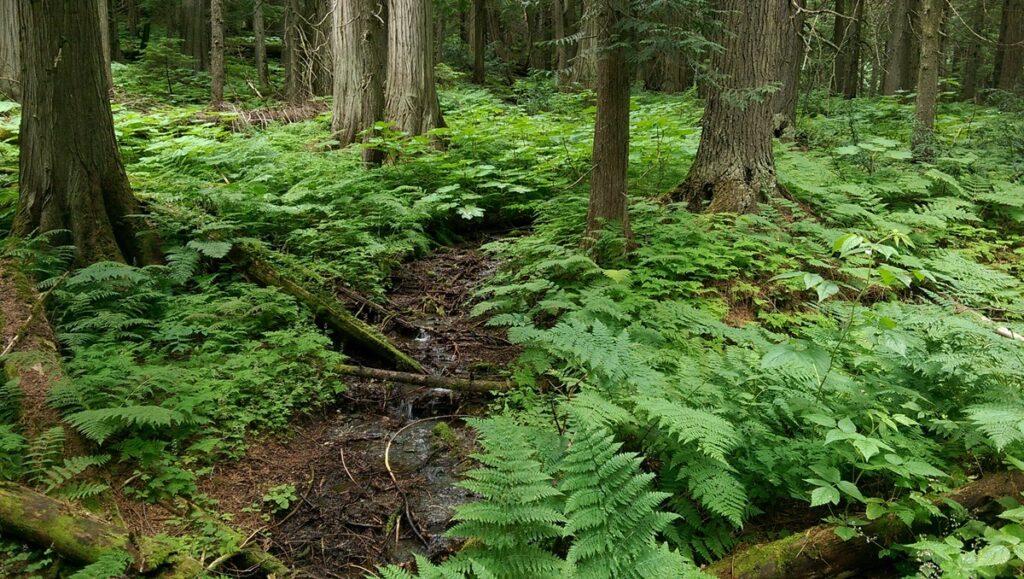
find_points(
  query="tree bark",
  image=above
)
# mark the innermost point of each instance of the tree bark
(793, 48)
(840, 39)
(477, 44)
(10, 51)
(1009, 74)
(360, 47)
(71, 174)
(561, 46)
(901, 67)
(852, 79)
(102, 13)
(974, 56)
(735, 165)
(927, 80)
(307, 51)
(260, 48)
(195, 31)
(584, 65)
(217, 51)
(410, 95)
(819, 552)
(609, 203)
(132, 17)
(116, 54)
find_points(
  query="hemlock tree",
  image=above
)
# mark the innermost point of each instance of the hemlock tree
(735, 165)
(927, 79)
(10, 50)
(608, 183)
(793, 49)
(217, 52)
(360, 49)
(71, 174)
(410, 96)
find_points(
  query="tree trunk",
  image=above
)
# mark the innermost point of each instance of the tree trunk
(410, 95)
(217, 51)
(71, 174)
(927, 80)
(307, 39)
(840, 39)
(793, 48)
(584, 66)
(677, 73)
(292, 74)
(852, 80)
(10, 51)
(608, 184)
(477, 44)
(103, 15)
(132, 17)
(360, 57)
(561, 46)
(735, 166)
(1009, 73)
(116, 54)
(974, 56)
(901, 67)
(259, 31)
(195, 31)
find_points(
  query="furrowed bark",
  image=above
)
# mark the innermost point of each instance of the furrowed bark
(927, 80)
(10, 52)
(434, 381)
(410, 95)
(360, 53)
(819, 552)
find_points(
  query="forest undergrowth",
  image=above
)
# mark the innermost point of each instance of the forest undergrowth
(848, 353)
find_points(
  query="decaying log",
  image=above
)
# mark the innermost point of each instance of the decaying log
(34, 517)
(819, 552)
(434, 381)
(254, 263)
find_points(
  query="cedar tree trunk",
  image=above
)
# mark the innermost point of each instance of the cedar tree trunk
(608, 184)
(1010, 53)
(260, 33)
(195, 31)
(735, 165)
(360, 48)
(72, 177)
(410, 96)
(974, 56)
(217, 53)
(477, 45)
(10, 51)
(793, 50)
(584, 66)
(927, 79)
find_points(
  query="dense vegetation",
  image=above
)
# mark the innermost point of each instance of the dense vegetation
(687, 383)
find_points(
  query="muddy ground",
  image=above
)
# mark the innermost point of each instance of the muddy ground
(375, 477)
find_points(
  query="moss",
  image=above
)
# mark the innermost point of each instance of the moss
(769, 559)
(443, 435)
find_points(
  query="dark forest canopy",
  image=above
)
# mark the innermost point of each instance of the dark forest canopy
(503, 288)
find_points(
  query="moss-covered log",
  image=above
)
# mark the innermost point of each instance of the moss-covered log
(257, 266)
(819, 552)
(449, 382)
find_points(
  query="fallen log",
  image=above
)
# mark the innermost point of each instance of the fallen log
(434, 381)
(53, 524)
(254, 262)
(819, 552)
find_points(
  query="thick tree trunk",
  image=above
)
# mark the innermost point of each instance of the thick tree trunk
(927, 80)
(901, 67)
(260, 48)
(102, 13)
(677, 73)
(974, 56)
(584, 65)
(410, 96)
(217, 50)
(819, 552)
(72, 177)
(608, 183)
(360, 57)
(1009, 74)
(735, 165)
(840, 39)
(195, 31)
(561, 46)
(116, 54)
(10, 51)
(851, 73)
(132, 17)
(477, 44)
(793, 50)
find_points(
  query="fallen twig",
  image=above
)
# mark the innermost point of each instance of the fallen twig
(435, 381)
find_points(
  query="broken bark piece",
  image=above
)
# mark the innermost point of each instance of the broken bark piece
(819, 552)
(255, 263)
(449, 382)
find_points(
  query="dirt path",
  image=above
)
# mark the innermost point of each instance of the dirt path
(350, 513)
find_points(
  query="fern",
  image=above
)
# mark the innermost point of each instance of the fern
(109, 565)
(1003, 424)
(98, 425)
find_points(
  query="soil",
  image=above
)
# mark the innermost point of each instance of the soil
(375, 477)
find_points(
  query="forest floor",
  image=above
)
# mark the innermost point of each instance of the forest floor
(375, 476)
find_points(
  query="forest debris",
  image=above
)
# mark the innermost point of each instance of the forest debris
(50, 523)
(253, 261)
(819, 552)
(432, 380)
(262, 118)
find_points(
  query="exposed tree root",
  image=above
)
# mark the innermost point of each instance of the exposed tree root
(451, 383)
(819, 552)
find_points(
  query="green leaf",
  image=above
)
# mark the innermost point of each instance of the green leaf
(993, 555)
(212, 249)
(824, 495)
(848, 150)
(875, 510)
(846, 533)
(851, 489)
